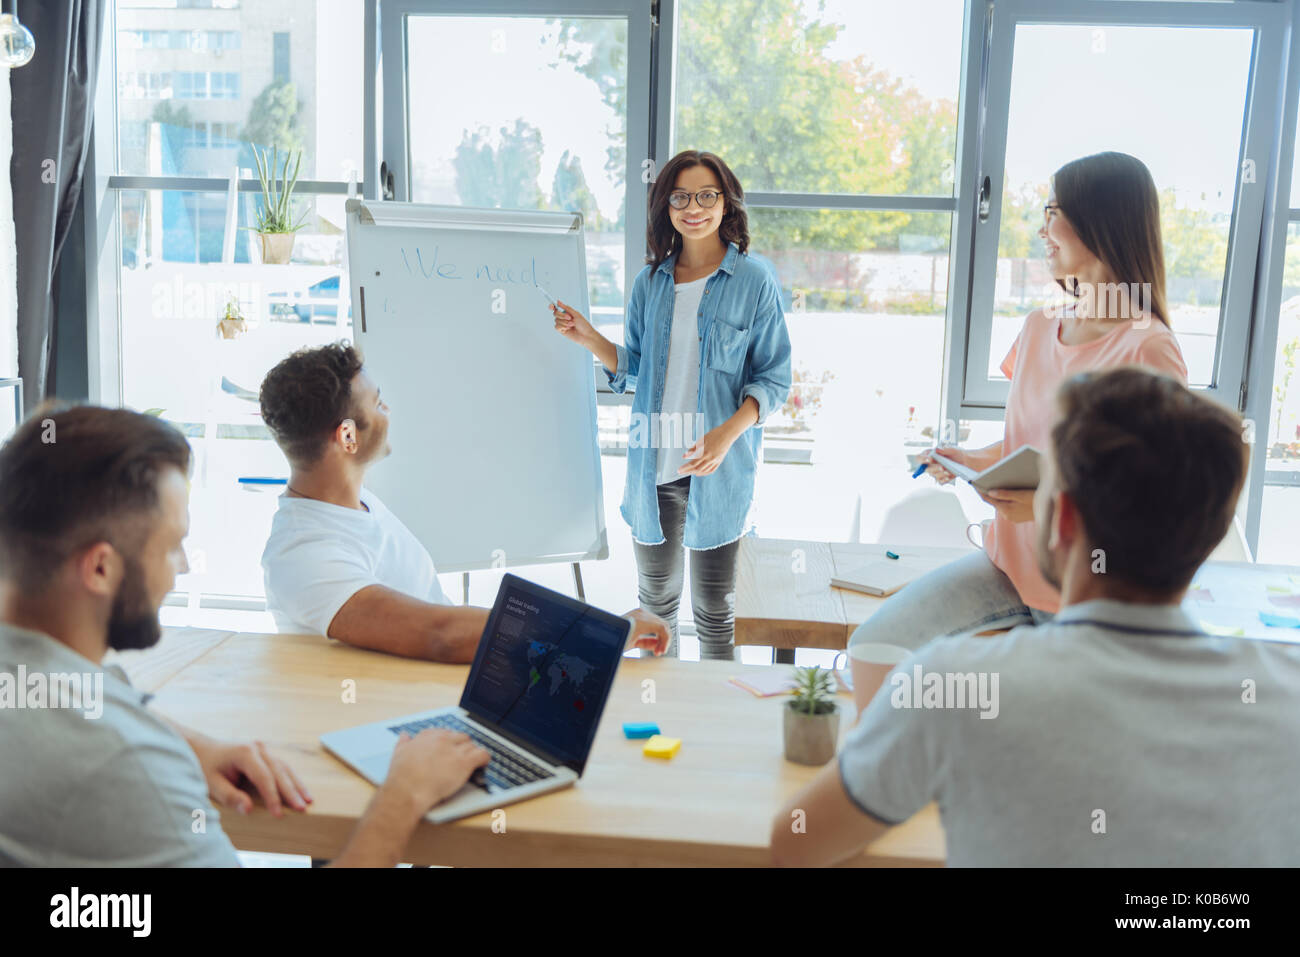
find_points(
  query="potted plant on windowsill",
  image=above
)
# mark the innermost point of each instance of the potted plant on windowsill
(230, 325)
(273, 219)
(811, 718)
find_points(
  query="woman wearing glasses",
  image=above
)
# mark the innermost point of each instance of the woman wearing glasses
(1101, 233)
(706, 349)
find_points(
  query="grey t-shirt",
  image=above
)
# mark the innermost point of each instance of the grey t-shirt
(120, 789)
(1123, 736)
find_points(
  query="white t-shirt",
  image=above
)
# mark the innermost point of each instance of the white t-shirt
(677, 425)
(1117, 735)
(319, 555)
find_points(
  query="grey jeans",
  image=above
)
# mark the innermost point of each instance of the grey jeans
(660, 569)
(970, 594)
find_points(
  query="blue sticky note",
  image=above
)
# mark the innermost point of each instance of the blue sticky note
(633, 729)
(1279, 621)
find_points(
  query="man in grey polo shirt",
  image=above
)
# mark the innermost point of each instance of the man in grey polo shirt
(1119, 734)
(93, 515)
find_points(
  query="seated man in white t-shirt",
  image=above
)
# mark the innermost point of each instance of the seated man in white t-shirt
(338, 562)
(1118, 734)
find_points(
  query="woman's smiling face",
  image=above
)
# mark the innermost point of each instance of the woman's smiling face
(1066, 253)
(695, 222)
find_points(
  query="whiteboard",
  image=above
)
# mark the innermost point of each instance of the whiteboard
(495, 459)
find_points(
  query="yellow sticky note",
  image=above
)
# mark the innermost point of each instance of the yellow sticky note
(1223, 631)
(661, 747)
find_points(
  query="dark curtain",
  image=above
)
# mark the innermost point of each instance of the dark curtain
(53, 109)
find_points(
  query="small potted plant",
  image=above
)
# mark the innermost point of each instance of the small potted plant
(273, 219)
(233, 322)
(812, 718)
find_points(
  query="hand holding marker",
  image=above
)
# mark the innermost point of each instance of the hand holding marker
(574, 326)
(568, 322)
(941, 474)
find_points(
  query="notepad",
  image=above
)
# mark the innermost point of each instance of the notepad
(877, 578)
(1019, 470)
(778, 682)
(765, 684)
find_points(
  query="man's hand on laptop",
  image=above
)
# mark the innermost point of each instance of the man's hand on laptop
(424, 770)
(648, 631)
(433, 765)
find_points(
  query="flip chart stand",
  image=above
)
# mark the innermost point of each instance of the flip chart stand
(577, 584)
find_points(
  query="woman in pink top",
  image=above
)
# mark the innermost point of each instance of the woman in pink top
(1101, 230)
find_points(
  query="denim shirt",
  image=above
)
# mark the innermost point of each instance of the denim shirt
(744, 351)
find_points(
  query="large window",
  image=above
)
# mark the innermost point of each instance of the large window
(558, 141)
(1279, 541)
(1174, 98)
(840, 121)
(192, 104)
(1178, 86)
(895, 158)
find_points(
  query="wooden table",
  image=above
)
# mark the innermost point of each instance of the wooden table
(784, 596)
(712, 804)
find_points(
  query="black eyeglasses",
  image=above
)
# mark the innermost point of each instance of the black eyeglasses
(680, 199)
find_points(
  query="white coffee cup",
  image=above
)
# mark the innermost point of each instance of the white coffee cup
(983, 530)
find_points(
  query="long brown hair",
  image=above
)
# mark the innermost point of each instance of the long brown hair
(662, 239)
(1111, 201)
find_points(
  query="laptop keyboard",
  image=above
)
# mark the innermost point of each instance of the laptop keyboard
(507, 768)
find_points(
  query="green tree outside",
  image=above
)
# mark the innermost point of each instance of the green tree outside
(273, 118)
(569, 190)
(500, 176)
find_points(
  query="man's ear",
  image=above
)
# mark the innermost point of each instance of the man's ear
(99, 569)
(1066, 526)
(346, 434)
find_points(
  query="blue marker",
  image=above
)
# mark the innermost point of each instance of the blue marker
(552, 299)
(920, 468)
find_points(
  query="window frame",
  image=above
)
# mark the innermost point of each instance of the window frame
(104, 182)
(1263, 342)
(1268, 22)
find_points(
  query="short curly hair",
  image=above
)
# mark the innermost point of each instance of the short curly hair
(306, 396)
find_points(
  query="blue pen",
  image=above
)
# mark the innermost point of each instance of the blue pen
(542, 289)
(920, 468)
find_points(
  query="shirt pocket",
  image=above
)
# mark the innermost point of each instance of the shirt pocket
(727, 346)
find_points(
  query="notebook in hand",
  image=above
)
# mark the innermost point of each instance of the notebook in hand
(879, 578)
(1019, 470)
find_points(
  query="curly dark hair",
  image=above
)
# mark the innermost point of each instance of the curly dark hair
(662, 237)
(306, 396)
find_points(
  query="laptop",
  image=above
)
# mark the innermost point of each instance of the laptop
(534, 697)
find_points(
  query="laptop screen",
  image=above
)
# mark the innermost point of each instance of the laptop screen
(544, 668)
